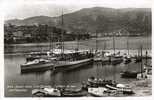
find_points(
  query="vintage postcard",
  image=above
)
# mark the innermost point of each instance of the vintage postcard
(77, 48)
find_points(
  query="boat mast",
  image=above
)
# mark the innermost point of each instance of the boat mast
(96, 42)
(141, 64)
(128, 45)
(52, 42)
(105, 45)
(147, 36)
(77, 41)
(62, 34)
(113, 44)
(51, 45)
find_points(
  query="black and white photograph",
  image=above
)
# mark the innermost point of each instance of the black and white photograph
(77, 48)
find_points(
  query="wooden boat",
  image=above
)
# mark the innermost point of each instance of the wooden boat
(138, 59)
(147, 73)
(73, 94)
(97, 92)
(97, 59)
(121, 88)
(93, 82)
(103, 59)
(129, 74)
(46, 92)
(37, 64)
(97, 56)
(69, 88)
(114, 60)
(71, 91)
(127, 60)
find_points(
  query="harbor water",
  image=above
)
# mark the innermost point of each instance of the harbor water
(19, 84)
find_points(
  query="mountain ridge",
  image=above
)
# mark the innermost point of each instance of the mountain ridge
(94, 19)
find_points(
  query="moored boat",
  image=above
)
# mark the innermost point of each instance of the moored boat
(114, 60)
(129, 74)
(97, 92)
(37, 64)
(46, 92)
(127, 60)
(72, 91)
(73, 60)
(121, 88)
(138, 59)
(94, 82)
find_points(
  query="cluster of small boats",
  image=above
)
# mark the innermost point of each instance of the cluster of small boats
(71, 59)
(93, 87)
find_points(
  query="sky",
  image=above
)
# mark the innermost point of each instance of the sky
(20, 9)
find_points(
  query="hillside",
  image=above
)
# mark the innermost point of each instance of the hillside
(100, 19)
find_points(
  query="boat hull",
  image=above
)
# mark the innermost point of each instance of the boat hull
(123, 90)
(131, 75)
(115, 60)
(74, 94)
(36, 67)
(72, 65)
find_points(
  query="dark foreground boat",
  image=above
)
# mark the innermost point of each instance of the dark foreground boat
(129, 74)
(74, 94)
(72, 91)
(36, 65)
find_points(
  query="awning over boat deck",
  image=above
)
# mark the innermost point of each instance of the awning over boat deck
(59, 51)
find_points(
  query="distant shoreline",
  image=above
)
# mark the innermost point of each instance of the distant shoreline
(43, 43)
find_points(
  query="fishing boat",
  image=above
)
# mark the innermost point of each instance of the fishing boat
(129, 74)
(98, 92)
(73, 92)
(138, 59)
(121, 88)
(94, 82)
(46, 92)
(127, 57)
(147, 72)
(37, 64)
(127, 60)
(97, 55)
(115, 59)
